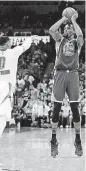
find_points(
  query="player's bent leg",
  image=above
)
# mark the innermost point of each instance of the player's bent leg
(77, 125)
(55, 119)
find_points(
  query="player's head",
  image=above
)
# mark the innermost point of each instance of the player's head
(5, 43)
(69, 30)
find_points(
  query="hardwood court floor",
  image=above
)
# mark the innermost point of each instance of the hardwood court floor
(29, 150)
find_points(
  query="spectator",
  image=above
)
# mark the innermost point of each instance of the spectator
(43, 85)
(41, 95)
(31, 79)
(34, 93)
(48, 95)
(34, 113)
(20, 85)
(40, 112)
(41, 45)
(27, 83)
(26, 96)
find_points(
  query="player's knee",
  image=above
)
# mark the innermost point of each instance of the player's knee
(75, 111)
(57, 108)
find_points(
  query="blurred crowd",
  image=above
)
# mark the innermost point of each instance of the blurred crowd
(34, 18)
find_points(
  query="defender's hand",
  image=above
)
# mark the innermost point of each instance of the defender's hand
(34, 37)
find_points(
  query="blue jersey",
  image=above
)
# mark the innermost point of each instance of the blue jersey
(67, 55)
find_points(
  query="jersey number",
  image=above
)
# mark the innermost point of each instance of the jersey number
(2, 62)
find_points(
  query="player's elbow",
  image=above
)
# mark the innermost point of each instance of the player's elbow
(50, 31)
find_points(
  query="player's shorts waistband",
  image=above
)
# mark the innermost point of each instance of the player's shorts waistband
(67, 70)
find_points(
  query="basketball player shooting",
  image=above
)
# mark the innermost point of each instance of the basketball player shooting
(8, 68)
(66, 77)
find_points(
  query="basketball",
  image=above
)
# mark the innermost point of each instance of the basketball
(69, 12)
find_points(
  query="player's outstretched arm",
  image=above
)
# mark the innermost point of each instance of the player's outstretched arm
(54, 29)
(27, 43)
(78, 30)
(18, 50)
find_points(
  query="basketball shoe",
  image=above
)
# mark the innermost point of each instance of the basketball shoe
(78, 147)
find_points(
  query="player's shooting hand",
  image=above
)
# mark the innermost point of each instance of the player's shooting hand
(74, 17)
(65, 19)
